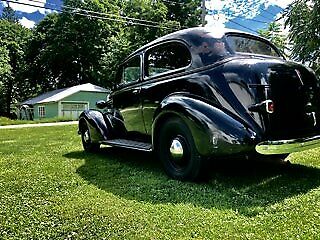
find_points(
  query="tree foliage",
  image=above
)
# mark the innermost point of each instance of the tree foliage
(9, 14)
(153, 11)
(186, 12)
(5, 68)
(13, 42)
(67, 48)
(303, 20)
(274, 34)
(74, 47)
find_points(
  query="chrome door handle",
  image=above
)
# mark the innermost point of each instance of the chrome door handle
(135, 91)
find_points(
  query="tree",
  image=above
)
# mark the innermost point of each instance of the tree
(186, 12)
(5, 67)
(155, 12)
(12, 44)
(5, 71)
(67, 48)
(274, 34)
(303, 21)
(9, 14)
(88, 40)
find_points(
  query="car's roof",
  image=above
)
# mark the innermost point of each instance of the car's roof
(187, 34)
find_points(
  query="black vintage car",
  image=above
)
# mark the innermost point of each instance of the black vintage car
(202, 94)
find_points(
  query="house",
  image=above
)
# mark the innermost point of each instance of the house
(64, 103)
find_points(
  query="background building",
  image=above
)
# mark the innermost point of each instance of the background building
(64, 103)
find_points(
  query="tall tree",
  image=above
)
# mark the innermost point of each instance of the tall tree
(5, 67)
(67, 48)
(5, 71)
(186, 12)
(9, 14)
(303, 20)
(155, 13)
(13, 42)
(88, 40)
(71, 48)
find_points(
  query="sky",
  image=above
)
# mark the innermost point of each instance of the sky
(244, 15)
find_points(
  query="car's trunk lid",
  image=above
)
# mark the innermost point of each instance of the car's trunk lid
(294, 93)
(281, 97)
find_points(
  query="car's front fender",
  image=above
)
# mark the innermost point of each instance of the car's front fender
(98, 126)
(215, 132)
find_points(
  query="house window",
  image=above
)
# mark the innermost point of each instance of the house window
(41, 111)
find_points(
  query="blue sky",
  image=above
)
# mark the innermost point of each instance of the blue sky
(245, 15)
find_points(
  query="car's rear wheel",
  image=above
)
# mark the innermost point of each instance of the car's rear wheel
(177, 151)
(87, 143)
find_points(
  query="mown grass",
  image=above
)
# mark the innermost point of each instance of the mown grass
(6, 121)
(51, 189)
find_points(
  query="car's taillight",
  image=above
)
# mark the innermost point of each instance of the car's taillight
(265, 106)
(269, 106)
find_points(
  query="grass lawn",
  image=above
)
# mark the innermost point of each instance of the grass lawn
(51, 189)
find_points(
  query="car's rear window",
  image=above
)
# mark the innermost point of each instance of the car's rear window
(242, 44)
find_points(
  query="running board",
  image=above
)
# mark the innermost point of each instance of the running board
(130, 144)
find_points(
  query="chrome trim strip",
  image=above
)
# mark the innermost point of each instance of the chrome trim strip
(288, 146)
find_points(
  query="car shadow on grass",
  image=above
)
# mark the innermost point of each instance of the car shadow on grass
(240, 185)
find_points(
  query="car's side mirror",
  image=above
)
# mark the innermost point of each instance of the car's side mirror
(101, 104)
(116, 86)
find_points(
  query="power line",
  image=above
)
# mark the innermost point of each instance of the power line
(84, 12)
(269, 19)
(97, 13)
(110, 17)
(270, 13)
(243, 26)
(248, 19)
(252, 30)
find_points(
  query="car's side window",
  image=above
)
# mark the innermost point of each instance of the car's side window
(166, 57)
(131, 70)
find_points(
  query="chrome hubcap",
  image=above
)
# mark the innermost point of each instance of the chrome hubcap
(86, 136)
(176, 149)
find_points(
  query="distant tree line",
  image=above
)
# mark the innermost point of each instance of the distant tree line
(66, 48)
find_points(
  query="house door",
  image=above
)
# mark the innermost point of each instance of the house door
(73, 110)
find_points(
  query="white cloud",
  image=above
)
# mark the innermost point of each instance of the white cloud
(222, 10)
(216, 21)
(282, 3)
(29, 9)
(215, 5)
(247, 8)
(27, 23)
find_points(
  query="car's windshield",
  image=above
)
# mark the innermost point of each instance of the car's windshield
(243, 44)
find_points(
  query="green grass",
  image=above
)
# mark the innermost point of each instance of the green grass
(6, 121)
(51, 189)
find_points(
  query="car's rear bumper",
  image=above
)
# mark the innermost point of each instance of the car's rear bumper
(288, 146)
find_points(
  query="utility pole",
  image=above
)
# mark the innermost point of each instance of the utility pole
(204, 12)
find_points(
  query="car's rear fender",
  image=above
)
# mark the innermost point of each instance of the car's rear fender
(214, 131)
(99, 125)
